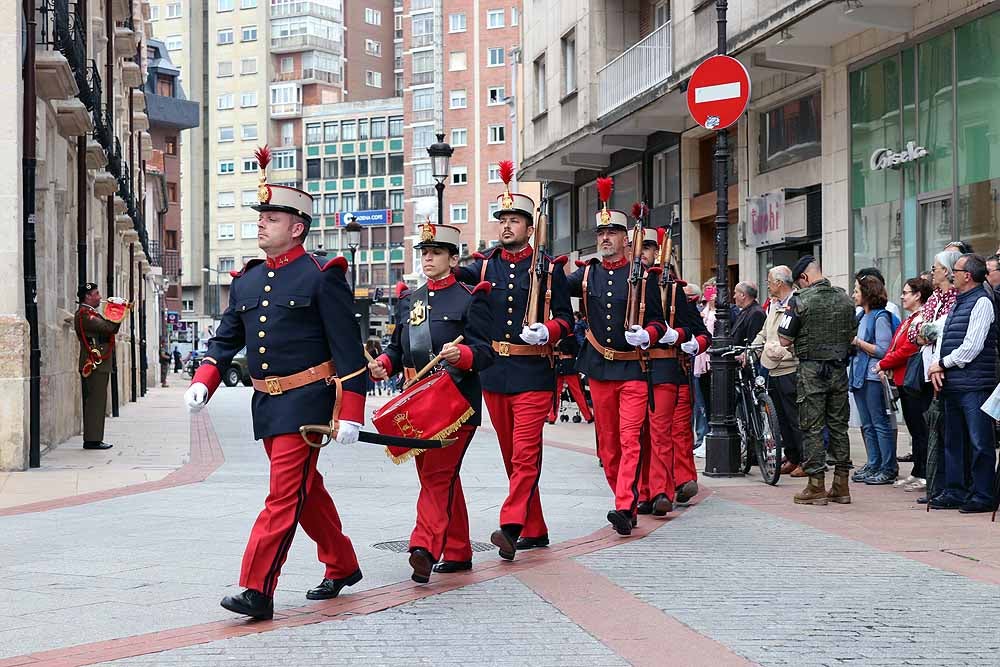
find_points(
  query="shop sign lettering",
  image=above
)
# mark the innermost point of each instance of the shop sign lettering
(766, 219)
(885, 158)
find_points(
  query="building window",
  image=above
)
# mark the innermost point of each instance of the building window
(170, 145)
(373, 16)
(378, 128)
(227, 263)
(165, 85)
(457, 99)
(459, 175)
(569, 62)
(287, 65)
(493, 174)
(174, 43)
(225, 5)
(227, 231)
(225, 68)
(348, 131)
(330, 204)
(314, 168)
(396, 164)
(456, 23)
(459, 213)
(496, 134)
(493, 208)
(348, 167)
(173, 10)
(225, 36)
(225, 199)
(456, 61)
(422, 174)
(539, 68)
(224, 102)
(314, 133)
(226, 133)
(790, 133)
(459, 137)
(494, 56)
(396, 200)
(423, 136)
(154, 13)
(227, 167)
(495, 95)
(494, 19)
(248, 198)
(172, 192)
(248, 4)
(248, 230)
(249, 165)
(348, 201)
(396, 126)
(284, 159)
(362, 165)
(373, 79)
(248, 131)
(373, 47)
(378, 200)
(248, 99)
(187, 305)
(378, 165)
(248, 33)
(288, 133)
(248, 65)
(514, 13)
(331, 132)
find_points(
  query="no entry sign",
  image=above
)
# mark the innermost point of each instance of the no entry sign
(718, 92)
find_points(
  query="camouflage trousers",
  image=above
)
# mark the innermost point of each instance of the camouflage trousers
(822, 402)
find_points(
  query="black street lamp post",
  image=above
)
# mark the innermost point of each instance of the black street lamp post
(722, 445)
(353, 232)
(440, 153)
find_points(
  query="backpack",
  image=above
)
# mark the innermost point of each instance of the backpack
(893, 324)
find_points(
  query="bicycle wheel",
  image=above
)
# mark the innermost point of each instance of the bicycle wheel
(743, 428)
(768, 446)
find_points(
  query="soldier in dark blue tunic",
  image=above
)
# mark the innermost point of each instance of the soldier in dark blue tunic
(295, 317)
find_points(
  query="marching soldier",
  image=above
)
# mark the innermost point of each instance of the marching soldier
(566, 351)
(97, 342)
(295, 317)
(820, 321)
(518, 387)
(614, 358)
(678, 473)
(439, 312)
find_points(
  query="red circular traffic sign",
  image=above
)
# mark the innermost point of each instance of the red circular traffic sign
(718, 92)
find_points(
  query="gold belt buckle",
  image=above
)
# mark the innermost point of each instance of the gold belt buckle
(273, 386)
(504, 350)
(609, 354)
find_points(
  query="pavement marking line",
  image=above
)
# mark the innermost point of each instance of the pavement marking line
(205, 458)
(638, 632)
(366, 602)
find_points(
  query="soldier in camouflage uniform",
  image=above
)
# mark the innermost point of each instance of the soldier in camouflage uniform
(820, 321)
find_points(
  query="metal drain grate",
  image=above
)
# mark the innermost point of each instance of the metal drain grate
(402, 546)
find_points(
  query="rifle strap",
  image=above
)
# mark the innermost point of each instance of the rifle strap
(583, 293)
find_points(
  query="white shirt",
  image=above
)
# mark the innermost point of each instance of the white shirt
(980, 321)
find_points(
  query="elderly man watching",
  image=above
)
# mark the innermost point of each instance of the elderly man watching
(783, 367)
(751, 317)
(964, 375)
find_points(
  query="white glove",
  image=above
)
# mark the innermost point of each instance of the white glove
(347, 433)
(636, 336)
(691, 346)
(196, 397)
(670, 337)
(535, 334)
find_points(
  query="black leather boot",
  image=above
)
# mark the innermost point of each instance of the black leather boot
(330, 588)
(250, 603)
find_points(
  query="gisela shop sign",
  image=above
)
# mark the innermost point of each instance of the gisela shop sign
(885, 158)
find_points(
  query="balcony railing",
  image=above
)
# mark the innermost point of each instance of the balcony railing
(641, 67)
(306, 8)
(291, 43)
(308, 74)
(423, 190)
(422, 115)
(286, 109)
(416, 41)
(61, 30)
(420, 78)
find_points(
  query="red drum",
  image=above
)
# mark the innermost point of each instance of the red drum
(432, 408)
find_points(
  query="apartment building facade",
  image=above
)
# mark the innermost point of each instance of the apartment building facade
(838, 89)
(460, 65)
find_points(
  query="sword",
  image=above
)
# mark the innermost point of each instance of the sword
(327, 433)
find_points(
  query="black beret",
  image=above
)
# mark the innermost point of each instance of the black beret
(86, 289)
(801, 266)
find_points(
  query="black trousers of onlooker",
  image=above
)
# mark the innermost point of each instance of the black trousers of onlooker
(914, 410)
(783, 393)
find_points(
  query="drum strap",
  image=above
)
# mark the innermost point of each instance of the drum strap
(421, 344)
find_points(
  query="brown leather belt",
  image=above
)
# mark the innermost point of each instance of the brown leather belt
(611, 354)
(505, 349)
(275, 386)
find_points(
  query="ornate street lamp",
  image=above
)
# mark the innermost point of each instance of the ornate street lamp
(440, 153)
(352, 230)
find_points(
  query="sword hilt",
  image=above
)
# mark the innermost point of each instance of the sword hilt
(326, 432)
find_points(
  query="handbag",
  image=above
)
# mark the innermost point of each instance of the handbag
(913, 378)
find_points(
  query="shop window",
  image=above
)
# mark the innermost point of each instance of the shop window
(562, 228)
(977, 68)
(936, 112)
(875, 124)
(878, 241)
(790, 133)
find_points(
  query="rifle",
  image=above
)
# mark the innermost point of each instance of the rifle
(668, 281)
(635, 309)
(533, 313)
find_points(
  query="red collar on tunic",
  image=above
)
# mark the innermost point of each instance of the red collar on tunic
(617, 264)
(447, 281)
(515, 257)
(286, 258)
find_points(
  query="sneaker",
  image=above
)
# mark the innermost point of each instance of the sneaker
(879, 479)
(861, 473)
(699, 452)
(910, 479)
(916, 485)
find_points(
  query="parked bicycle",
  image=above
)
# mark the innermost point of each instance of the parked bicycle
(756, 418)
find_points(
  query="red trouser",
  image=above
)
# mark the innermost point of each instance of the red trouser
(442, 517)
(576, 391)
(620, 409)
(518, 420)
(297, 496)
(683, 432)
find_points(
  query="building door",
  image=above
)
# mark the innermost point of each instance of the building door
(936, 228)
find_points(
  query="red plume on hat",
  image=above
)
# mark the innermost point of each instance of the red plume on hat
(640, 211)
(263, 155)
(506, 175)
(605, 184)
(661, 232)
